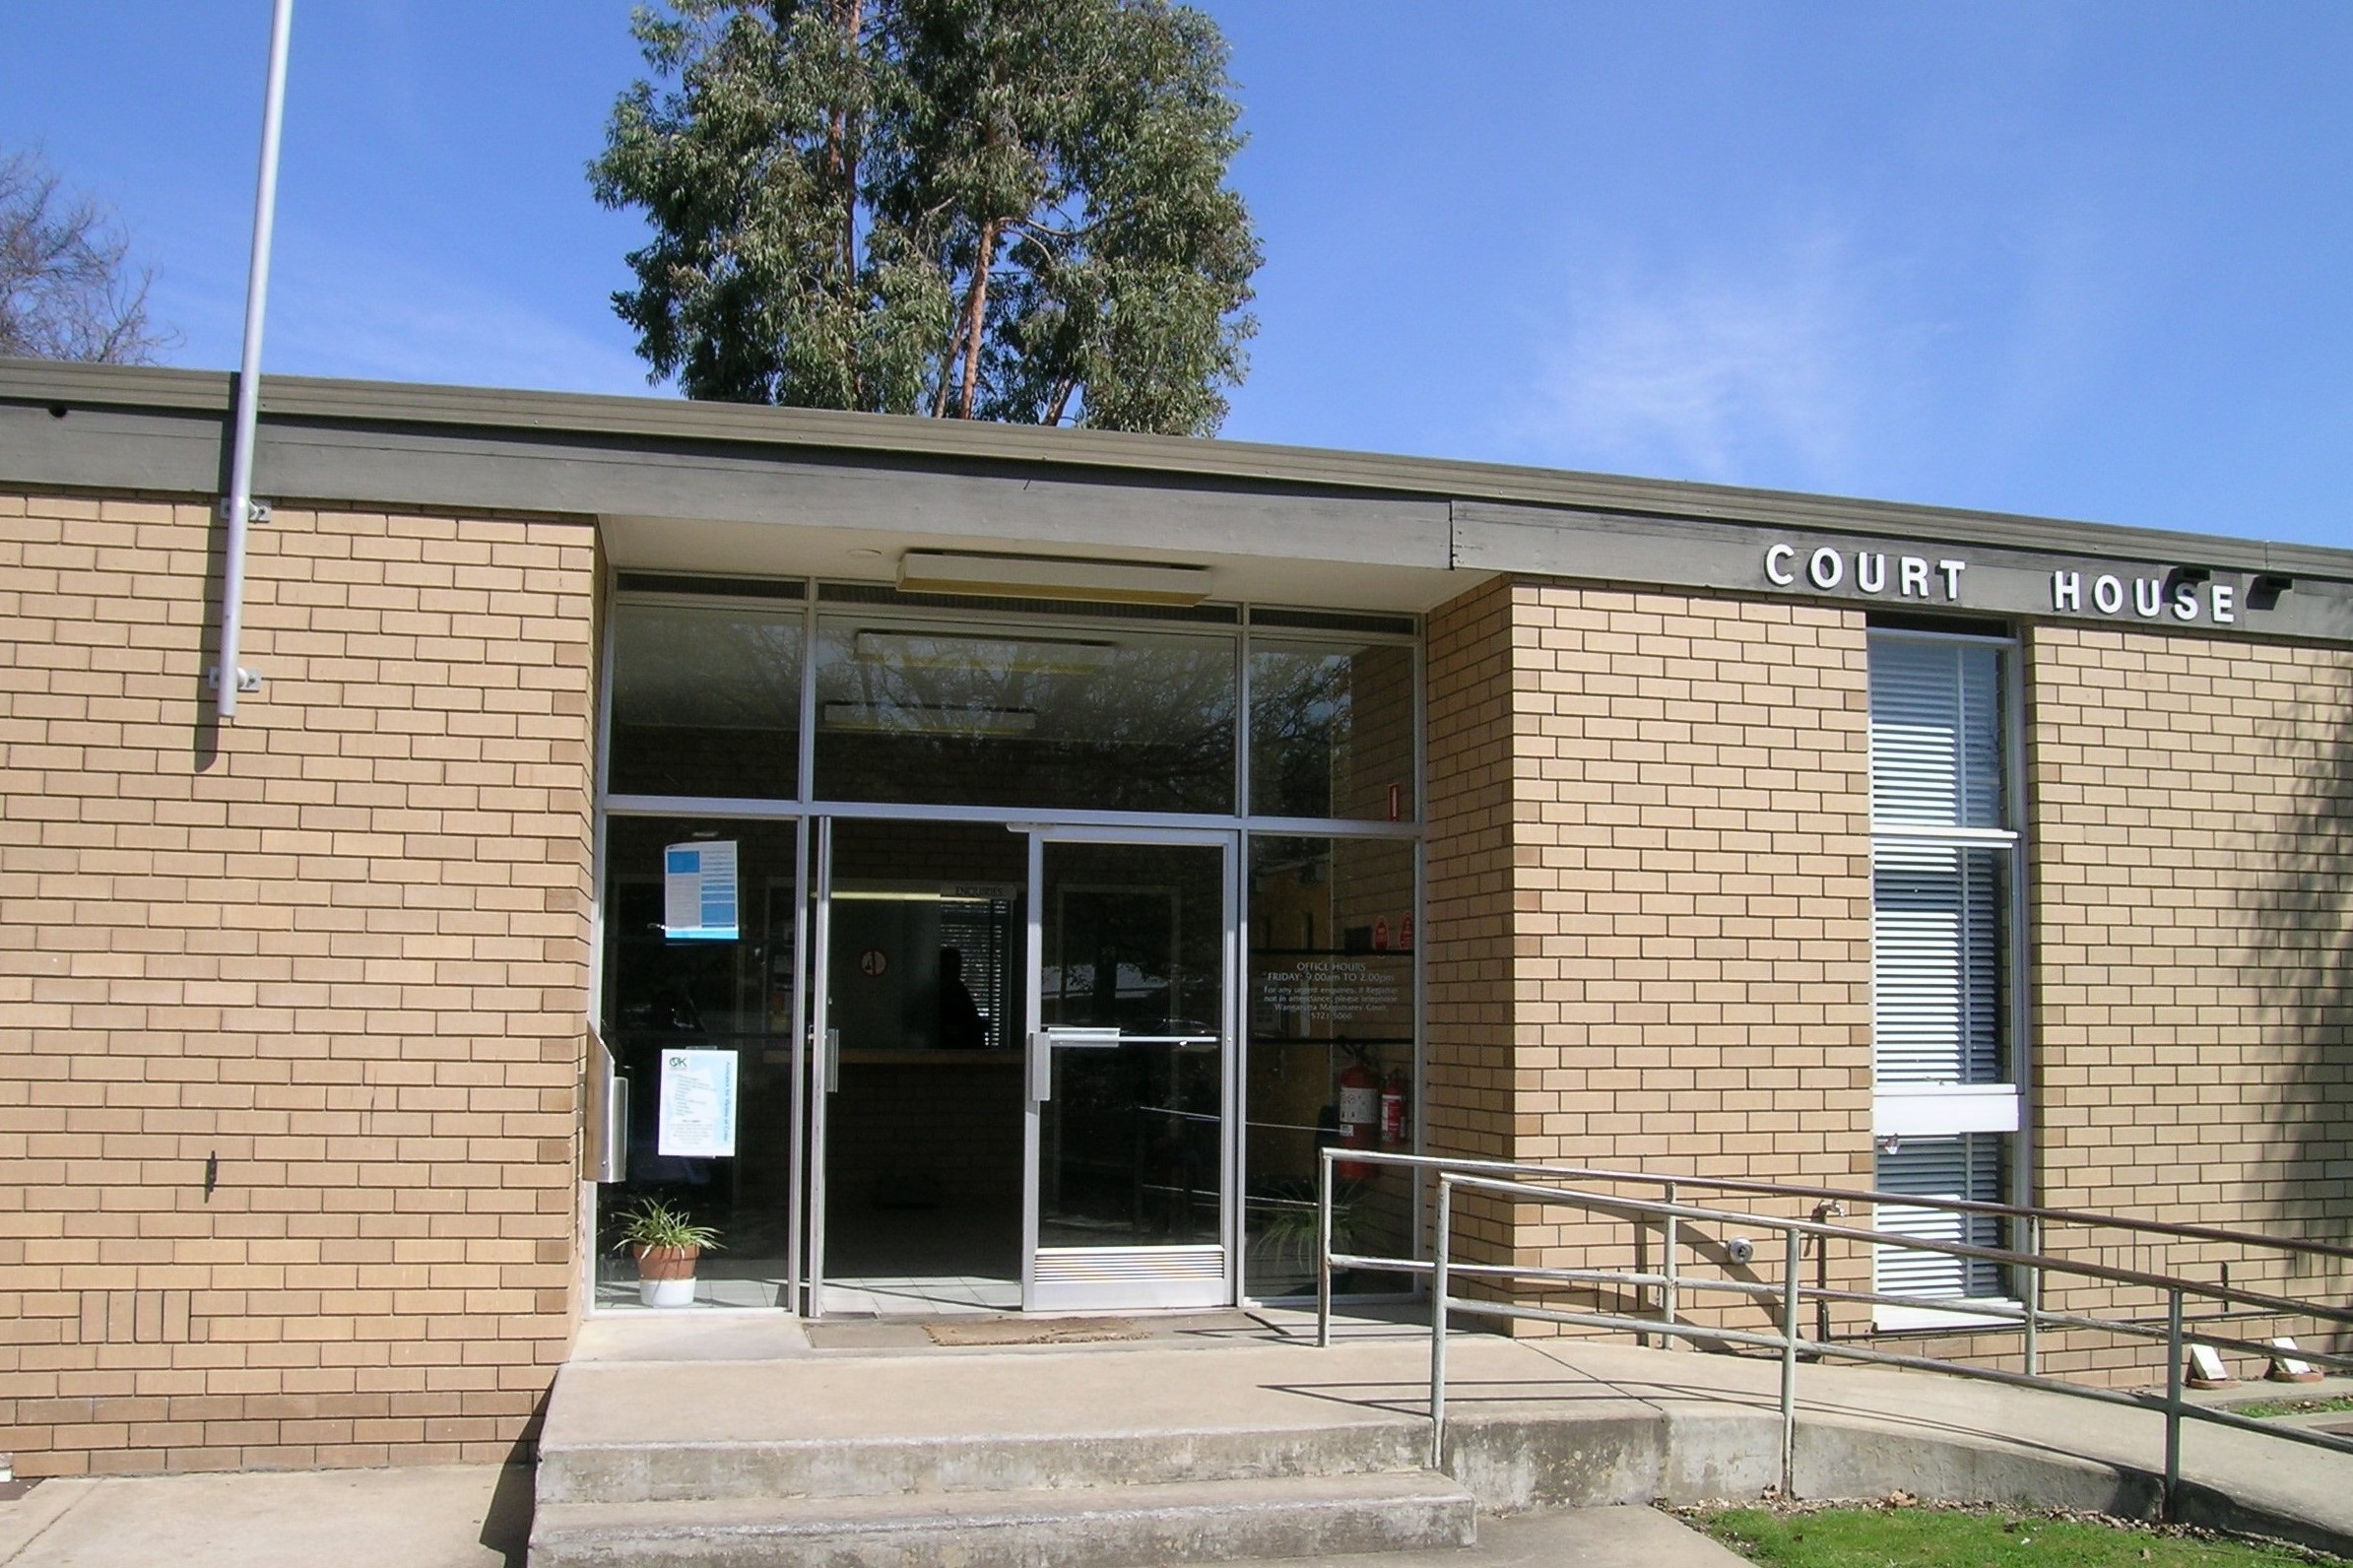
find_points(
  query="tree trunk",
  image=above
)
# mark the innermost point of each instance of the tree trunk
(1062, 401)
(976, 307)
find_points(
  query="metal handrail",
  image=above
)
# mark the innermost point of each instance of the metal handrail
(1513, 1180)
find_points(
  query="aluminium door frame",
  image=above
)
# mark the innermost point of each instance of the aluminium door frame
(1230, 843)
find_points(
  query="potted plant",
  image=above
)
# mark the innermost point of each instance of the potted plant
(665, 1241)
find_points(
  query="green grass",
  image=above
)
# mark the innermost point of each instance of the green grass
(1952, 1538)
(2267, 1408)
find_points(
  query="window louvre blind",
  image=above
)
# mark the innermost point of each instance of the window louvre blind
(1935, 734)
(1967, 1168)
(1937, 965)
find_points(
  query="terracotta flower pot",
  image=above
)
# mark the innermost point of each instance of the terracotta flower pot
(666, 1274)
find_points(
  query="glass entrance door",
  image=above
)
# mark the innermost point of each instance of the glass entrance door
(1130, 1079)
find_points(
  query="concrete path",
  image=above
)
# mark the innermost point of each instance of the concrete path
(443, 1516)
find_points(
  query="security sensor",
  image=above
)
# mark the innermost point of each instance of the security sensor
(1741, 1249)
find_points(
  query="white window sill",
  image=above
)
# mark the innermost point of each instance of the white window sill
(1943, 1110)
(1914, 1319)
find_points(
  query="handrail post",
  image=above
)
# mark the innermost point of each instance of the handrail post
(1324, 1249)
(2173, 1404)
(2034, 1295)
(1667, 1259)
(1792, 1281)
(1438, 1261)
(1642, 1266)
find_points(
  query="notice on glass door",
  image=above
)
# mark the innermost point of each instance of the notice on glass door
(698, 1104)
(699, 892)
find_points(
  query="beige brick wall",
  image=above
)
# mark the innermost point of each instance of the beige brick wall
(338, 945)
(2193, 876)
(1650, 899)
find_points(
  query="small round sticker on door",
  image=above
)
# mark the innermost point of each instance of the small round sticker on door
(873, 962)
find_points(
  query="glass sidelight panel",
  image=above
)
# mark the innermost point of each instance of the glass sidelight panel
(698, 1000)
(1129, 1073)
(1330, 1013)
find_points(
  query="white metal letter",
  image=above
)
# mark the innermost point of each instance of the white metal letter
(1952, 570)
(1870, 573)
(1826, 567)
(1914, 580)
(2226, 609)
(1777, 561)
(2109, 595)
(2185, 601)
(2066, 590)
(2148, 597)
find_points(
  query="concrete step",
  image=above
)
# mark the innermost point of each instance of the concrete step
(1115, 1527)
(888, 1466)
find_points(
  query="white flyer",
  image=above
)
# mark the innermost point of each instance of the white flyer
(698, 1104)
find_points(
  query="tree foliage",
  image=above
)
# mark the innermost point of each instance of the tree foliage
(984, 209)
(67, 291)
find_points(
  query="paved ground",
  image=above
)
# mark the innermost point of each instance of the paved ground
(444, 1516)
(479, 1517)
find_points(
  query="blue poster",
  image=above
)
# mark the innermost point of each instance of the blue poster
(699, 892)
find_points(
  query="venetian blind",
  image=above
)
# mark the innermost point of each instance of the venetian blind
(1968, 1168)
(1936, 907)
(1935, 734)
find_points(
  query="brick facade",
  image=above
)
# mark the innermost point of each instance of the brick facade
(1649, 892)
(290, 1008)
(2192, 854)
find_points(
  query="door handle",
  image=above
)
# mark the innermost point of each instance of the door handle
(1043, 1043)
(833, 1060)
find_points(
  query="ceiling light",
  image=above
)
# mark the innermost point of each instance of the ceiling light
(1051, 578)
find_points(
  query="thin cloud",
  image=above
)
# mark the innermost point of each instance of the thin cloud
(1766, 367)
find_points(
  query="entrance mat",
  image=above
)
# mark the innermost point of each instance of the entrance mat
(1033, 1331)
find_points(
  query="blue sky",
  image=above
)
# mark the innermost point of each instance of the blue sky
(2077, 260)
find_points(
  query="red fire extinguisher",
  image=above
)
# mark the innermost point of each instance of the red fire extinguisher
(1393, 1110)
(1359, 1113)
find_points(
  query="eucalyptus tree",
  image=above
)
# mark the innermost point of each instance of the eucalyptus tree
(1008, 210)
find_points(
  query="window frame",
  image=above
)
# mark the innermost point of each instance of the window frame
(2000, 1108)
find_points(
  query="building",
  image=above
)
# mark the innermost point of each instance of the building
(985, 865)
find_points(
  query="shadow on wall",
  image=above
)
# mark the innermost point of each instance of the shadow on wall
(2304, 954)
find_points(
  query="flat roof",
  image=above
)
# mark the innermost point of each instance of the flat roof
(164, 429)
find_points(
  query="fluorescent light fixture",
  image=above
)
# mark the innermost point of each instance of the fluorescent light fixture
(914, 718)
(1127, 582)
(948, 650)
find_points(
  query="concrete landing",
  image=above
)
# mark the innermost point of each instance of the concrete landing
(1534, 1425)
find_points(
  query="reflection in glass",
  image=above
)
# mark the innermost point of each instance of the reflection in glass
(1332, 729)
(1133, 938)
(1330, 1052)
(707, 700)
(1113, 718)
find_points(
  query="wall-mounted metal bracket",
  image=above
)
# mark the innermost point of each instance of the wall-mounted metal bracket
(247, 680)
